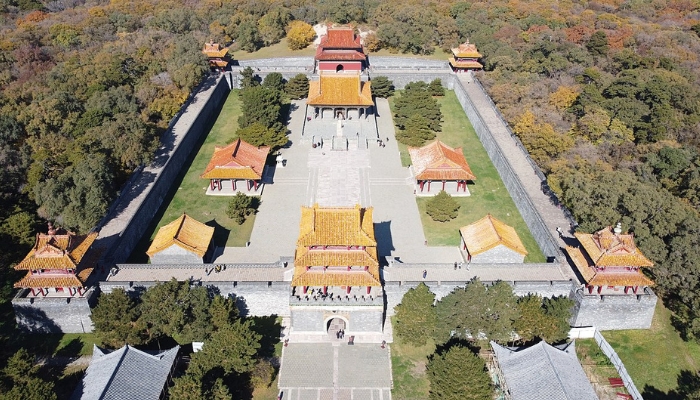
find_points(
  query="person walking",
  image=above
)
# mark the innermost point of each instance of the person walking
(425, 273)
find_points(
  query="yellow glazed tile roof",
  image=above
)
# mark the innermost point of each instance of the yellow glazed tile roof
(320, 258)
(612, 277)
(50, 280)
(335, 278)
(185, 232)
(489, 232)
(238, 160)
(466, 50)
(57, 251)
(465, 63)
(214, 50)
(438, 161)
(336, 226)
(340, 90)
(608, 249)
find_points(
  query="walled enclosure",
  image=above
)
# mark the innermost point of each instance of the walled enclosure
(266, 298)
(54, 314)
(610, 312)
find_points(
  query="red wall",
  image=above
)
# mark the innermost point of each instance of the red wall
(347, 65)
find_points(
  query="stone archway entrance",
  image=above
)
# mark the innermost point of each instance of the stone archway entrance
(333, 326)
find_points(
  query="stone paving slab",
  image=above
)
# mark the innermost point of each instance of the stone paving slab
(485, 272)
(364, 366)
(335, 372)
(230, 274)
(306, 365)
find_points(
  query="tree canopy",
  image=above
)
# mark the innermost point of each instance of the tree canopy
(458, 373)
(415, 318)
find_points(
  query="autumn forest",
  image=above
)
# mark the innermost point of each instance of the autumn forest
(605, 96)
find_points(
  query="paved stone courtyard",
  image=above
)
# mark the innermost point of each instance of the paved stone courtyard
(372, 177)
(335, 372)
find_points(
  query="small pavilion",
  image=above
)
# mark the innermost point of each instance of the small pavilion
(56, 266)
(239, 161)
(465, 57)
(339, 97)
(217, 55)
(183, 241)
(490, 240)
(340, 50)
(437, 166)
(609, 262)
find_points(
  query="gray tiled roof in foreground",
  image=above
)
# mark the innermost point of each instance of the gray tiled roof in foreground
(125, 374)
(543, 372)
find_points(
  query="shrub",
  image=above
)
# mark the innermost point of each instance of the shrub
(442, 207)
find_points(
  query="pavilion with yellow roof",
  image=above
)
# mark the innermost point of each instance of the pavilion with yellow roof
(440, 163)
(216, 54)
(609, 262)
(183, 241)
(465, 57)
(336, 265)
(56, 266)
(490, 240)
(239, 161)
(341, 97)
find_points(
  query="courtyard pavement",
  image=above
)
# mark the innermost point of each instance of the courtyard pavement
(335, 372)
(372, 177)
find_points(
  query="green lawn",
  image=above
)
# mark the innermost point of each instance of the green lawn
(488, 194)
(276, 50)
(188, 191)
(654, 358)
(408, 370)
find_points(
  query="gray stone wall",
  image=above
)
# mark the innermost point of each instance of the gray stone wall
(140, 220)
(499, 254)
(612, 312)
(358, 319)
(54, 314)
(254, 298)
(522, 200)
(176, 255)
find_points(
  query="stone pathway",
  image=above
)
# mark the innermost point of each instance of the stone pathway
(335, 372)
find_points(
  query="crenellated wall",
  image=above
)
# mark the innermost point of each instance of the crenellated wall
(612, 312)
(54, 314)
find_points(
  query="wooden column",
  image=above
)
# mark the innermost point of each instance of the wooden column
(443, 185)
(325, 290)
(348, 289)
(369, 289)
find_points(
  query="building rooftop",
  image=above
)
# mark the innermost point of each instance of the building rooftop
(601, 277)
(466, 50)
(336, 226)
(185, 232)
(608, 248)
(438, 161)
(340, 90)
(489, 232)
(57, 251)
(127, 373)
(543, 372)
(341, 38)
(238, 160)
(214, 50)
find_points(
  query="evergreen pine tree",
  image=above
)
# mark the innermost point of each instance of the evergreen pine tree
(442, 207)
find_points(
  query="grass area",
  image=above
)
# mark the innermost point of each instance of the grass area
(276, 50)
(408, 370)
(187, 194)
(56, 344)
(488, 193)
(655, 357)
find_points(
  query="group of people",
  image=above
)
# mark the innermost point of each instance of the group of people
(340, 334)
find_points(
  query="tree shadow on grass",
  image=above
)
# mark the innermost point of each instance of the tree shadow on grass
(221, 234)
